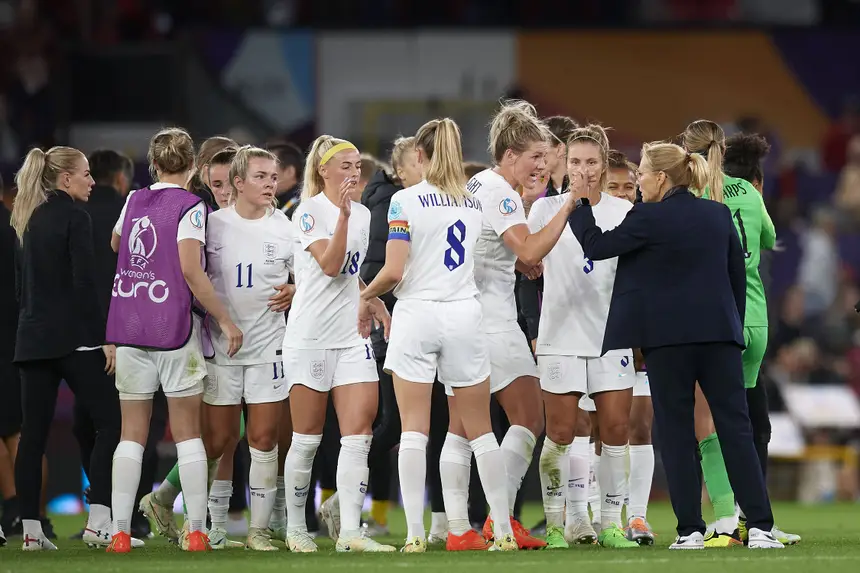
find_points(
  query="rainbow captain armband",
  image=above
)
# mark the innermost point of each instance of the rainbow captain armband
(398, 230)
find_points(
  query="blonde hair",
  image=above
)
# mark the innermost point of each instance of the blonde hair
(241, 163)
(708, 138)
(439, 139)
(171, 151)
(402, 145)
(681, 168)
(515, 126)
(37, 176)
(313, 183)
(595, 135)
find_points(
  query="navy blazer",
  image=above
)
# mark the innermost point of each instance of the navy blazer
(680, 278)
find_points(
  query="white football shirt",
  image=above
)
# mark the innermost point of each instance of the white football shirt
(247, 259)
(191, 226)
(324, 313)
(576, 290)
(494, 261)
(442, 232)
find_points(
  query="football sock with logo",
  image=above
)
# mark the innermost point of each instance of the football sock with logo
(554, 469)
(613, 483)
(262, 479)
(297, 478)
(351, 479)
(577, 483)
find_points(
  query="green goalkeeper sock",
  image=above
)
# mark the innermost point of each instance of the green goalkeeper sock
(716, 478)
(173, 477)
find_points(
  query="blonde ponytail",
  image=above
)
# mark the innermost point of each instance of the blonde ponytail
(708, 138)
(36, 177)
(313, 183)
(439, 139)
(699, 173)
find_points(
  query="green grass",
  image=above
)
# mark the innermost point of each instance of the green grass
(831, 540)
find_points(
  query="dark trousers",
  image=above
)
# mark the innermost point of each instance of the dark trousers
(673, 372)
(40, 381)
(85, 433)
(760, 418)
(386, 435)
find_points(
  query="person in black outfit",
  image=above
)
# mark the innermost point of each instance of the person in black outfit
(113, 173)
(680, 296)
(291, 164)
(61, 331)
(10, 383)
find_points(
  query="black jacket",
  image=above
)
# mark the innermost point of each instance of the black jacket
(289, 200)
(104, 207)
(680, 277)
(8, 302)
(55, 269)
(377, 197)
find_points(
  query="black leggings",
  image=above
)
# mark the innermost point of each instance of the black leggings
(760, 418)
(386, 435)
(40, 382)
(85, 433)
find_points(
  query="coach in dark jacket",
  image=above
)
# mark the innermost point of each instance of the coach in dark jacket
(679, 295)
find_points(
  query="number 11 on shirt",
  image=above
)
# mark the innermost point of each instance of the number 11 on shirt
(250, 282)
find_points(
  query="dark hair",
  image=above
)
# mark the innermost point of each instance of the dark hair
(744, 154)
(561, 126)
(106, 163)
(289, 155)
(617, 160)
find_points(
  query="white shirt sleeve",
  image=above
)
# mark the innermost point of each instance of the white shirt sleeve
(505, 210)
(309, 221)
(193, 225)
(535, 221)
(118, 227)
(398, 220)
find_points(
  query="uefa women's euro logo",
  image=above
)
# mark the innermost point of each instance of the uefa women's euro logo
(142, 241)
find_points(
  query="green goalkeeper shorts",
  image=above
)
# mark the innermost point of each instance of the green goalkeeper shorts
(755, 338)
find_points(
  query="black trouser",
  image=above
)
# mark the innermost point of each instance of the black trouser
(760, 418)
(386, 435)
(438, 432)
(85, 375)
(85, 433)
(673, 372)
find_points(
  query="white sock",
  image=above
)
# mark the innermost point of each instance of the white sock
(279, 510)
(554, 469)
(219, 502)
(194, 477)
(594, 499)
(166, 494)
(491, 470)
(579, 458)
(99, 517)
(297, 478)
(32, 528)
(518, 448)
(412, 467)
(352, 476)
(262, 476)
(613, 483)
(439, 522)
(641, 474)
(125, 477)
(455, 467)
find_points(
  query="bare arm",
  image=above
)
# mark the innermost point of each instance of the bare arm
(329, 253)
(391, 273)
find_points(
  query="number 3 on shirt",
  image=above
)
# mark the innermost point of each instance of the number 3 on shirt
(455, 254)
(588, 266)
